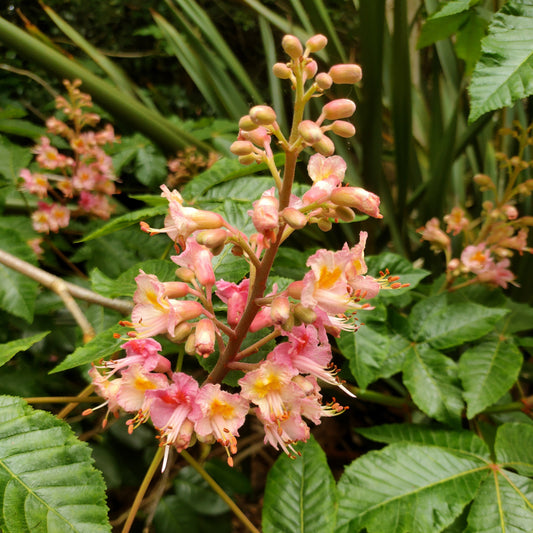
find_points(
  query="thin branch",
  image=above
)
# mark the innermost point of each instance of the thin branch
(63, 399)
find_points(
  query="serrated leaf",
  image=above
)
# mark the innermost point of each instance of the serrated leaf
(13, 158)
(150, 165)
(453, 325)
(124, 221)
(504, 73)
(503, 505)
(373, 352)
(406, 488)
(519, 319)
(487, 371)
(513, 447)
(124, 285)
(8, 350)
(468, 40)
(300, 493)
(17, 291)
(100, 347)
(462, 441)
(432, 380)
(47, 481)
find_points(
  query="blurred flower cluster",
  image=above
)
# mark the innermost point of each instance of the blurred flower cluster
(79, 181)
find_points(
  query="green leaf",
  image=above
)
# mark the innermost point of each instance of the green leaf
(468, 40)
(150, 165)
(502, 505)
(432, 380)
(8, 350)
(17, 291)
(124, 285)
(407, 488)
(519, 319)
(373, 352)
(513, 447)
(464, 441)
(101, 346)
(504, 73)
(47, 481)
(488, 371)
(300, 493)
(13, 159)
(124, 221)
(438, 28)
(452, 325)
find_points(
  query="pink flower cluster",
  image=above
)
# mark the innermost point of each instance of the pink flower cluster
(86, 177)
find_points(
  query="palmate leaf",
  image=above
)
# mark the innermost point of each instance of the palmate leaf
(487, 371)
(513, 447)
(47, 481)
(504, 73)
(300, 493)
(407, 487)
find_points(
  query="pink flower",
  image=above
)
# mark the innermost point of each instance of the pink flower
(359, 199)
(204, 337)
(35, 183)
(321, 168)
(477, 258)
(265, 214)
(498, 274)
(431, 232)
(143, 352)
(108, 390)
(84, 177)
(170, 410)
(456, 221)
(235, 296)
(218, 416)
(198, 259)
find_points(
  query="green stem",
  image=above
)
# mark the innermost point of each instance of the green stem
(218, 489)
(143, 488)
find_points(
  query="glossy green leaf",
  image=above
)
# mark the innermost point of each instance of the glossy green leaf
(513, 447)
(9, 349)
(504, 73)
(487, 371)
(432, 380)
(407, 488)
(373, 352)
(464, 441)
(300, 493)
(452, 325)
(17, 291)
(504, 504)
(101, 346)
(124, 221)
(47, 481)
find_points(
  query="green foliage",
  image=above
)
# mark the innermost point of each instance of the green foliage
(9, 349)
(47, 481)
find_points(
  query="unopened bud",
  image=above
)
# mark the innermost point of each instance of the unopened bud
(323, 81)
(280, 310)
(246, 123)
(176, 289)
(306, 315)
(325, 146)
(347, 74)
(259, 136)
(281, 71)
(310, 131)
(454, 264)
(294, 290)
(206, 219)
(212, 238)
(343, 128)
(263, 115)
(185, 274)
(190, 345)
(292, 46)
(204, 337)
(336, 109)
(359, 198)
(484, 181)
(511, 212)
(311, 68)
(324, 224)
(344, 213)
(528, 184)
(294, 217)
(237, 251)
(316, 43)
(241, 148)
(182, 331)
(247, 159)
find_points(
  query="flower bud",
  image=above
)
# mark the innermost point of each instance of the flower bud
(176, 289)
(292, 46)
(185, 274)
(484, 181)
(311, 68)
(190, 348)
(204, 337)
(316, 43)
(306, 315)
(182, 331)
(294, 217)
(206, 219)
(212, 238)
(247, 159)
(341, 108)
(310, 131)
(511, 212)
(280, 310)
(262, 115)
(359, 198)
(323, 81)
(325, 146)
(259, 136)
(241, 148)
(281, 71)
(294, 290)
(344, 213)
(324, 224)
(246, 123)
(347, 74)
(343, 128)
